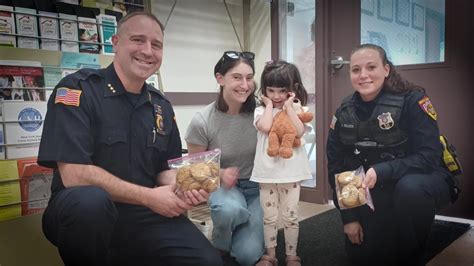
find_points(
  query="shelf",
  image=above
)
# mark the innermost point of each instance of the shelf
(47, 58)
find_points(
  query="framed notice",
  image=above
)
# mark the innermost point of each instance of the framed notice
(385, 10)
(367, 7)
(402, 12)
(418, 17)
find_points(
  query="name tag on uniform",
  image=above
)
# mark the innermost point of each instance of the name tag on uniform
(347, 125)
(160, 128)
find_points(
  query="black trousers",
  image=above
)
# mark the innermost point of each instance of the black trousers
(397, 230)
(90, 229)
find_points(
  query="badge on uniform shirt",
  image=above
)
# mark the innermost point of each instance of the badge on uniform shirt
(427, 107)
(68, 96)
(385, 121)
(160, 129)
(333, 122)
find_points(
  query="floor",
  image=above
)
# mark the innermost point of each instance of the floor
(459, 253)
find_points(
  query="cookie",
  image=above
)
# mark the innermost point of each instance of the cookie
(194, 185)
(200, 171)
(183, 174)
(184, 185)
(356, 181)
(345, 178)
(362, 196)
(350, 196)
(209, 185)
(214, 168)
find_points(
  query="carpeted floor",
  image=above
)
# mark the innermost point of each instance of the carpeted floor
(321, 240)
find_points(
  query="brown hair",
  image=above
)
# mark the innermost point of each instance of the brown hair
(139, 13)
(282, 74)
(222, 67)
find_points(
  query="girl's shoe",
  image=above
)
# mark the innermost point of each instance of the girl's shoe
(266, 260)
(293, 261)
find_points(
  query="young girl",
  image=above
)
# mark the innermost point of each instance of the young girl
(279, 178)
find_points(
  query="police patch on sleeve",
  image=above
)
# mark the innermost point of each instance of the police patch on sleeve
(427, 107)
(333, 122)
(68, 96)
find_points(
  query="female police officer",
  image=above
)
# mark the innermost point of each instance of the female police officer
(109, 136)
(389, 126)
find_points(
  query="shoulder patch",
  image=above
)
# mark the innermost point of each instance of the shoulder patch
(427, 107)
(333, 122)
(68, 96)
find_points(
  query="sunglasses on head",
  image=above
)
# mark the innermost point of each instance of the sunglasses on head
(236, 55)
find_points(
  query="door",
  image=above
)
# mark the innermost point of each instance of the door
(426, 50)
(309, 33)
(425, 41)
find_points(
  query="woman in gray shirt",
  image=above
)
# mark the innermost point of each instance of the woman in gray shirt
(227, 124)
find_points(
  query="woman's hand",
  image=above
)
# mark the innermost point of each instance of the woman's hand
(229, 177)
(370, 179)
(354, 232)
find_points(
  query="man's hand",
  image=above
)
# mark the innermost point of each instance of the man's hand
(194, 197)
(370, 179)
(165, 202)
(229, 177)
(354, 232)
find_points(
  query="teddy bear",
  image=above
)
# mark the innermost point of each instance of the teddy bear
(283, 136)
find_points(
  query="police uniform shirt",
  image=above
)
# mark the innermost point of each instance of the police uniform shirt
(419, 124)
(91, 120)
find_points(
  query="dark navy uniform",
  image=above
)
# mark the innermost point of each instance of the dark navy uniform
(93, 120)
(398, 136)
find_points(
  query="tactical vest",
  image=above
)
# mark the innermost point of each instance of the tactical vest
(377, 139)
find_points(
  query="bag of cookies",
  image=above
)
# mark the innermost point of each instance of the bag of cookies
(349, 189)
(198, 171)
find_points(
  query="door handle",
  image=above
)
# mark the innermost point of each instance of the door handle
(338, 62)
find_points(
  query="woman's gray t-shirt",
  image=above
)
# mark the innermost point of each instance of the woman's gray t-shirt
(235, 135)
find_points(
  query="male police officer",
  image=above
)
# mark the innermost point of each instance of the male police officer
(109, 135)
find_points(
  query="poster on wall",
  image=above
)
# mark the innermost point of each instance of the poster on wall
(88, 35)
(7, 26)
(20, 82)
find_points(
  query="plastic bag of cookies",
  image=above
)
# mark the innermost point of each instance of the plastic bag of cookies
(349, 189)
(198, 171)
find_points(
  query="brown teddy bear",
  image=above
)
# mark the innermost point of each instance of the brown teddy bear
(283, 136)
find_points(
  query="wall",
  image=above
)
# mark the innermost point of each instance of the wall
(196, 35)
(21, 240)
(406, 42)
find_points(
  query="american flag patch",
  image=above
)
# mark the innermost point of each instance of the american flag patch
(68, 96)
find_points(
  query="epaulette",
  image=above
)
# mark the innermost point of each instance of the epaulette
(393, 99)
(72, 80)
(158, 92)
(348, 101)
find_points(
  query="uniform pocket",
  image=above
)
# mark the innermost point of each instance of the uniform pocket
(113, 148)
(157, 141)
(112, 137)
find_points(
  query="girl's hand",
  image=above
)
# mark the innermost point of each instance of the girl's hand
(266, 101)
(289, 101)
(229, 177)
